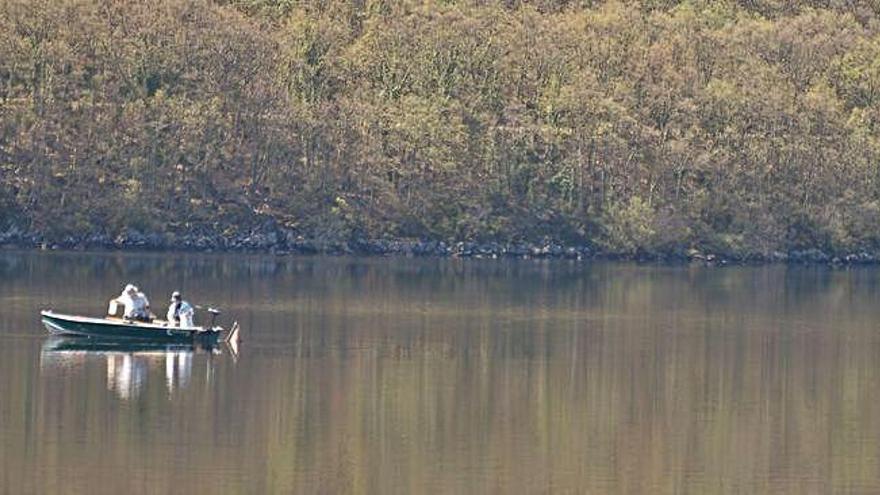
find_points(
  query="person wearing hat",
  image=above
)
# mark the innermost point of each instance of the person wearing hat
(135, 302)
(180, 313)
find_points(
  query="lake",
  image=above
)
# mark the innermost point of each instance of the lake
(371, 375)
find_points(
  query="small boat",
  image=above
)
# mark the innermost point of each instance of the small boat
(113, 328)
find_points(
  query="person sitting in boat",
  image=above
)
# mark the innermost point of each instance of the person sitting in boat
(135, 302)
(180, 312)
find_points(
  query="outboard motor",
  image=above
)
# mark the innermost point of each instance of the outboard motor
(214, 314)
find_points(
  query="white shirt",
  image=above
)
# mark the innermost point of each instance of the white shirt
(141, 303)
(184, 312)
(134, 306)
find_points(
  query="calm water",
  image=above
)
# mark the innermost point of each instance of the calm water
(446, 376)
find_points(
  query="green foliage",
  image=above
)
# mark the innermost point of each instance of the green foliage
(628, 228)
(640, 126)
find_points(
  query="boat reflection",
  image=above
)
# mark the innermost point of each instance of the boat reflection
(130, 365)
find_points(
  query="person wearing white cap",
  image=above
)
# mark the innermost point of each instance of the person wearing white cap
(135, 302)
(180, 313)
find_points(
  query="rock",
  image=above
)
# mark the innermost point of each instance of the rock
(203, 241)
(779, 257)
(273, 239)
(258, 241)
(490, 249)
(156, 241)
(470, 248)
(462, 249)
(303, 246)
(98, 240)
(423, 248)
(131, 238)
(65, 242)
(809, 256)
(287, 236)
(860, 258)
(363, 246)
(12, 235)
(517, 250)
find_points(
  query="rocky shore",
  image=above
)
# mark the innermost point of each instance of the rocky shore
(280, 241)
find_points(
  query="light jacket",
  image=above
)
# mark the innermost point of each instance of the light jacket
(137, 305)
(182, 312)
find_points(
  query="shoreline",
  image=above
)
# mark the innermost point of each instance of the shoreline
(285, 243)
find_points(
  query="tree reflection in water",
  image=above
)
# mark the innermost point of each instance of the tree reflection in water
(448, 376)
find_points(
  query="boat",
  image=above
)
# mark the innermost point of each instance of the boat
(113, 328)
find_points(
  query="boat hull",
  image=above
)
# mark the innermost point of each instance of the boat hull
(60, 324)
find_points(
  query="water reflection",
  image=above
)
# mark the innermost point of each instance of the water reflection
(129, 365)
(427, 376)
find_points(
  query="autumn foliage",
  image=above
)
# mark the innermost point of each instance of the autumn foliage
(643, 126)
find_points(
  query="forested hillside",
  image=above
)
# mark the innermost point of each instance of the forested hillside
(740, 128)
